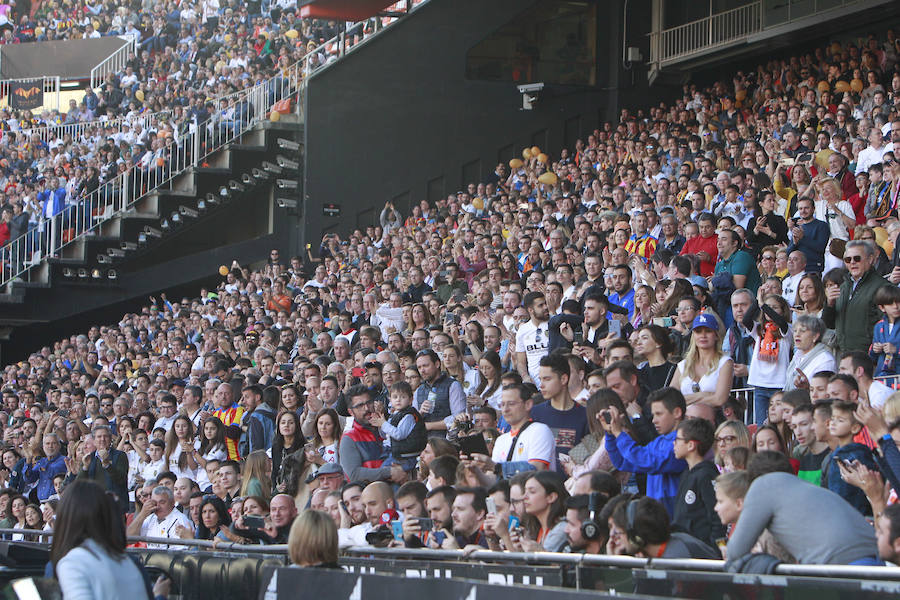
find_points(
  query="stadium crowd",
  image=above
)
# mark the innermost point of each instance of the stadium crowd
(544, 360)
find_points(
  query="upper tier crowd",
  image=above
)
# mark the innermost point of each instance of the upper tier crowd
(189, 56)
(546, 359)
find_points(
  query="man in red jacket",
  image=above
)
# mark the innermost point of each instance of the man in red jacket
(704, 245)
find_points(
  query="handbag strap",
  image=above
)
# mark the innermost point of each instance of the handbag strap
(512, 447)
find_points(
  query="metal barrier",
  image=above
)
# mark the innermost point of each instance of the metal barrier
(115, 62)
(705, 34)
(49, 86)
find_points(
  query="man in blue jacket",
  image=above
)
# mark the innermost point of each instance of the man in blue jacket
(43, 470)
(657, 458)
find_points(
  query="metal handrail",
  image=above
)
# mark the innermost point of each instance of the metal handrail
(115, 61)
(707, 33)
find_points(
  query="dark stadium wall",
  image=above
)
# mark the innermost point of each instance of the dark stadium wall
(397, 118)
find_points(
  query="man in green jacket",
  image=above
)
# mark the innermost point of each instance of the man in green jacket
(850, 309)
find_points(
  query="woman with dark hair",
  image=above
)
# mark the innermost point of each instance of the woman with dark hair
(291, 399)
(488, 389)
(212, 447)
(767, 228)
(88, 548)
(679, 288)
(215, 521)
(327, 438)
(181, 452)
(288, 440)
(544, 501)
(655, 345)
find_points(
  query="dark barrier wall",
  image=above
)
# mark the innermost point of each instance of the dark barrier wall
(397, 119)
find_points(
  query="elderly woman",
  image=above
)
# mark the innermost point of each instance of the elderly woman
(811, 355)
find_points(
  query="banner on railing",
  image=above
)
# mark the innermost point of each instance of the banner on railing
(26, 95)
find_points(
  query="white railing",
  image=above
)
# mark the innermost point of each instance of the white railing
(49, 86)
(186, 145)
(115, 62)
(705, 34)
(90, 131)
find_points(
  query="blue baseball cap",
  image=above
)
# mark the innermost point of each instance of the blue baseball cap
(704, 320)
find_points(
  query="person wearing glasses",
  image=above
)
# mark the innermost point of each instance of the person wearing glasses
(850, 309)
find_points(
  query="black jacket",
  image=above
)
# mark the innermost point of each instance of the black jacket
(695, 503)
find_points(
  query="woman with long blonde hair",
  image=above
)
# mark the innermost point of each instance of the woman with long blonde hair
(705, 373)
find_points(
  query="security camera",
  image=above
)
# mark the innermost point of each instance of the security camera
(271, 168)
(286, 203)
(530, 94)
(530, 88)
(115, 252)
(186, 211)
(152, 232)
(286, 163)
(286, 184)
(288, 144)
(128, 246)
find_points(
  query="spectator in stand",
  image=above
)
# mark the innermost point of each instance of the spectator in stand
(851, 309)
(648, 532)
(694, 506)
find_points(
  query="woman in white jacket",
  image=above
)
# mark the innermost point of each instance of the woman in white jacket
(88, 551)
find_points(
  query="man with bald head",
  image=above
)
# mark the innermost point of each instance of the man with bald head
(230, 413)
(282, 512)
(377, 498)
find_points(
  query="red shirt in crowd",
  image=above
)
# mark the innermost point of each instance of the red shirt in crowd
(702, 244)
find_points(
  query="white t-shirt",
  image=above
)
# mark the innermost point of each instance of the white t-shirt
(533, 340)
(789, 287)
(537, 442)
(152, 469)
(153, 527)
(707, 382)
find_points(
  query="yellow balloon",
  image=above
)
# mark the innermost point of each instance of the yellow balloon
(275, 116)
(478, 203)
(543, 158)
(856, 85)
(535, 150)
(223, 270)
(139, 95)
(548, 178)
(881, 235)
(740, 94)
(526, 153)
(291, 33)
(842, 86)
(823, 86)
(516, 163)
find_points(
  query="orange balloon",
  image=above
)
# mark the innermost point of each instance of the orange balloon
(223, 270)
(535, 150)
(548, 178)
(740, 94)
(543, 158)
(856, 85)
(160, 162)
(823, 86)
(526, 153)
(842, 86)
(516, 163)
